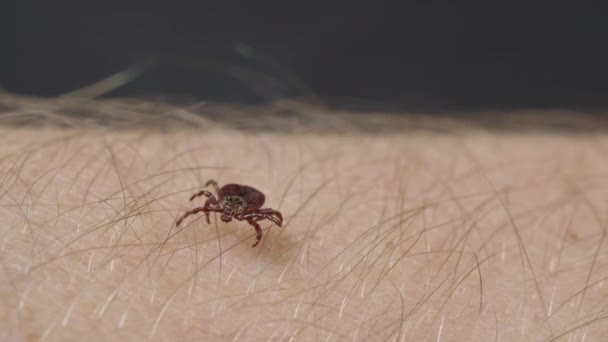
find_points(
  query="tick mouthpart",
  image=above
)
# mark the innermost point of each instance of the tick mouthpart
(227, 214)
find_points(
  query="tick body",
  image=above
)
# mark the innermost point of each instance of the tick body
(237, 201)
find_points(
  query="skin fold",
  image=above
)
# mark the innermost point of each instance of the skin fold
(401, 236)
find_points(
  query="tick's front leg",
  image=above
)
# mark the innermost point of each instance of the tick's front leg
(258, 231)
(204, 193)
(197, 210)
(272, 215)
(208, 208)
(213, 183)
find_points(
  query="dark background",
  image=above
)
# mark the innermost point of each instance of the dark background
(422, 55)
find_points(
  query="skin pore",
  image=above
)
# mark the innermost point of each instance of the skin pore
(414, 235)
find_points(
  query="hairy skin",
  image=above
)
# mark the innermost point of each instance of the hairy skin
(387, 237)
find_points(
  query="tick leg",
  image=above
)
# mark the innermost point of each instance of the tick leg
(261, 214)
(208, 206)
(204, 193)
(213, 183)
(197, 210)
(272, 215)
(258, 231)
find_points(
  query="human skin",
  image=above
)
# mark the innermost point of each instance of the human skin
(417, 235)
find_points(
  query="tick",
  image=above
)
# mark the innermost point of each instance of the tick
(236, 201)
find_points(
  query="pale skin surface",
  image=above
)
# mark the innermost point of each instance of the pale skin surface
(418, 236)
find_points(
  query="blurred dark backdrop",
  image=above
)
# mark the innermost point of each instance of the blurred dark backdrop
(421, 55)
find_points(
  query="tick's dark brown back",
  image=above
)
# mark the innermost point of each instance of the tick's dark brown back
(254, 198)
